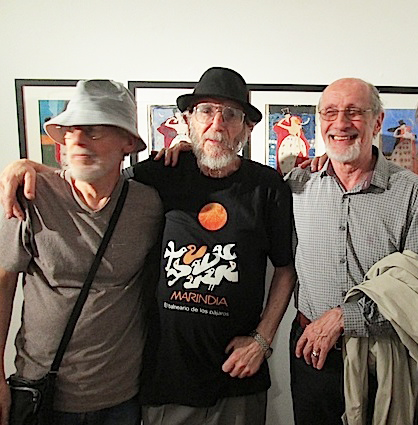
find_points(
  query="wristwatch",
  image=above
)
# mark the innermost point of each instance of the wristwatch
(268, 351)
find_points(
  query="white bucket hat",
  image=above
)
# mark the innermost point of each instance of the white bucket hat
(98, 102)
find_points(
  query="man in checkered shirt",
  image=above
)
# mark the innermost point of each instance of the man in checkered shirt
(358, 209)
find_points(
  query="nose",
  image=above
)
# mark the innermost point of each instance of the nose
(218, 120)
(342, 121)
(77, 135)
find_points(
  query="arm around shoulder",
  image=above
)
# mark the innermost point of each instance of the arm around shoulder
(18, 173)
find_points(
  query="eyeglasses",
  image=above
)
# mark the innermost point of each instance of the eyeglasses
(92, 132)
(205, 114)
(352, 114)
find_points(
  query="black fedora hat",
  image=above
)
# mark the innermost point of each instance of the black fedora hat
(221, 83)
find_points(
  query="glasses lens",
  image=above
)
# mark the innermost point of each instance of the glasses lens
(205, 113)
(353, 113)
(233, 116)
(329, 114)
(93, 132)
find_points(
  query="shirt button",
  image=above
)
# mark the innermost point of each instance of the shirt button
(344, 293)
(342, 260)
(342, 228)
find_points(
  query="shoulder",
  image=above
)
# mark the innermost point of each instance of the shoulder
(401, 179)
(262, 173)
(301, 175)
(154, 172)
(51, 185)
(143, 194)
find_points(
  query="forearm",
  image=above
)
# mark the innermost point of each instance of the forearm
(281, 288)
(8, 282)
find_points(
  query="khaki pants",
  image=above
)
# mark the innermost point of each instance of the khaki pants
(244, 410)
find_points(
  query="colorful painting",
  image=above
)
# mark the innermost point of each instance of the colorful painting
(38, 101)
(167, 126)
(52, 153)
(291, 135)
(399, 138)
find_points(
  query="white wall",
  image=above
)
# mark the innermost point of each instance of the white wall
(269, 41)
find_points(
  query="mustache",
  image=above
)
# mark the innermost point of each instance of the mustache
(220, 137)
(82, 151)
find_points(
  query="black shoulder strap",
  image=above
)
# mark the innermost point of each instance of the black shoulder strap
(75, 314)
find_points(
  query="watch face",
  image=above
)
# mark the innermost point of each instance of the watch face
(268, 353)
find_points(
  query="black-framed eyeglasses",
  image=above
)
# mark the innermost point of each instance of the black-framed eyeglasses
(352, 114)
(92, 132)
(205, 114)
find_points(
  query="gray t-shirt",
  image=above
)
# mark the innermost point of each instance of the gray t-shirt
(55, 247)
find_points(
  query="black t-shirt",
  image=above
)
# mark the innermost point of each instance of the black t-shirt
(217, 237)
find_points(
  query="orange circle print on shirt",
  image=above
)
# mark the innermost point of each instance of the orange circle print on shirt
(213, 216)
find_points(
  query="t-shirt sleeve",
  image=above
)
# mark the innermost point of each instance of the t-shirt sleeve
(143, 172)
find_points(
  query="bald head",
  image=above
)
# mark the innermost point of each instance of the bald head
(359, 86)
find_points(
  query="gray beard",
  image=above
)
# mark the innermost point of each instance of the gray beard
(350, 155)
(227, 154)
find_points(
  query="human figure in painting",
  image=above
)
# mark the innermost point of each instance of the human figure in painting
(292, 145)
(404, 151)
(174, 129)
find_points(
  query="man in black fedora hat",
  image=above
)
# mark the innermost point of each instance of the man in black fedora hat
(205, 360)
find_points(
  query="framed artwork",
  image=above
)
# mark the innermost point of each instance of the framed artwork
(37, 102)
(160, 123)
(398, 138)
(290, 129)
(288, 133)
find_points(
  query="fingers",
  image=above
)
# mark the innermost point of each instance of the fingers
(170, 155)
(239, 368)
(305, 163)
(9, 200)
(315, 164)
(318, 162)
(160, 154)
(322, 160)
(14, 175)
(313, 347)
(245, 359)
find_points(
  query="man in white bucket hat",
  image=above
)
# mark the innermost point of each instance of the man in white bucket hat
(55, 245)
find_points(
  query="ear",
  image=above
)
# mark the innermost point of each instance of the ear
(186, 118)
(378, 124)
(251, 125)
(130, 144)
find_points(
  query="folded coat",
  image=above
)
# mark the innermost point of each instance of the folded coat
(392, 283)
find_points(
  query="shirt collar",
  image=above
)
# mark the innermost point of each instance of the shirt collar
(379, 177)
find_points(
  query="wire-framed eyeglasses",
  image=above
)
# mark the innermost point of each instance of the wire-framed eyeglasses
(352, 114)
(92, 132)
(205, 114)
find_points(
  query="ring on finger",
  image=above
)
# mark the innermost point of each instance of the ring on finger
(315, 353)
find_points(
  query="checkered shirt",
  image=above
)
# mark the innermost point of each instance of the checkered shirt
(341, 234)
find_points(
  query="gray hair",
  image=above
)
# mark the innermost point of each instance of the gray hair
(376, 104)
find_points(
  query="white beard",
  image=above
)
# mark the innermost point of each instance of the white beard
(92, 172)
(351, 153)
(220, 156)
